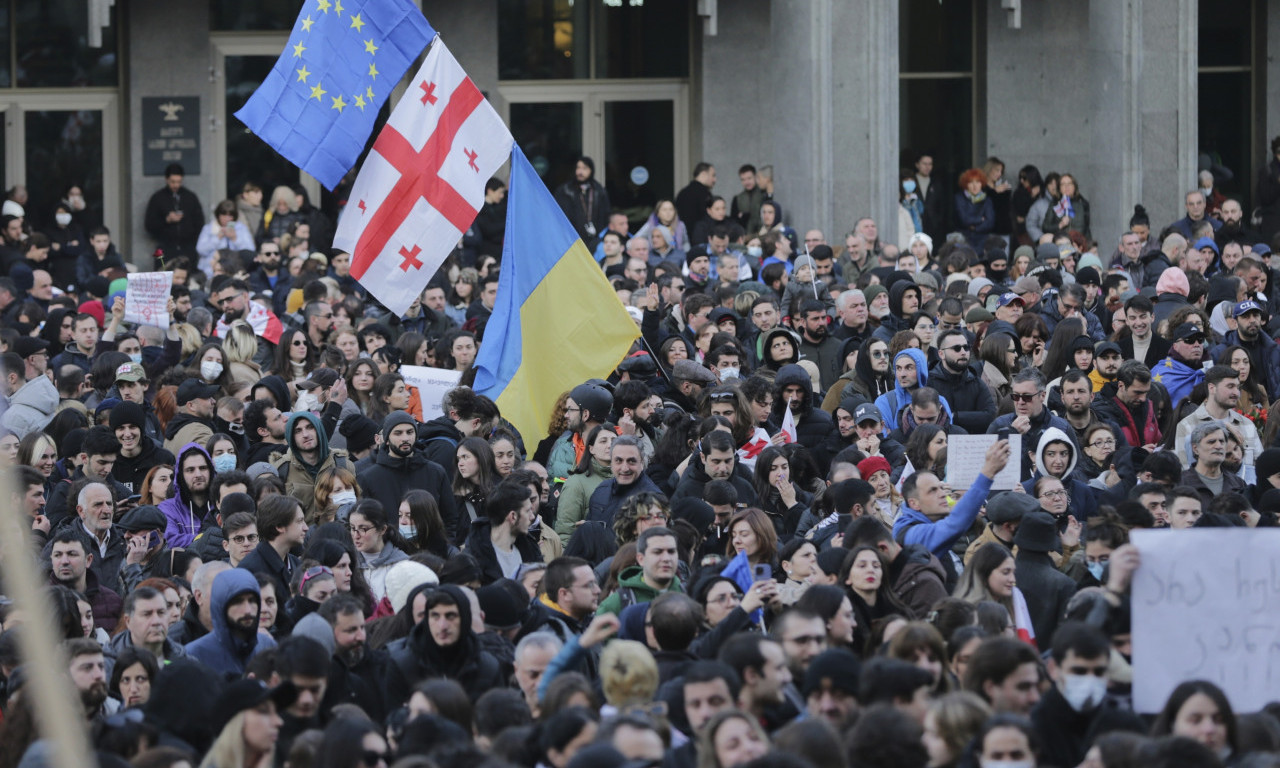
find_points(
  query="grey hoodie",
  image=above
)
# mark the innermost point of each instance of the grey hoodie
(31, 407)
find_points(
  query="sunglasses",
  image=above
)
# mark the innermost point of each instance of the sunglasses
(1021, 398)
(957, 348)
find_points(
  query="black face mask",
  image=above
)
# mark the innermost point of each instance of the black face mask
(997, 275)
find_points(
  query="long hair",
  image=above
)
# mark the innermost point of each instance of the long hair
(33, 445)
(917, 447)
(1248, 387)
(362, 398)
(1163, 725)
(583, 467)
(241, 344)
(486, 474)
(764, 464)
(994, 348)
(147, 496)
(884, 593)
(283, 364)
(973, 582)
(707, 757)
(325, 511)
(1058, 353)
(228, 749)
(919, 636)
(329, 542)
(430, 534)
(383, 386)
(743, 423)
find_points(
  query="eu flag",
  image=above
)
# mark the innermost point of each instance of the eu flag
(318, 105)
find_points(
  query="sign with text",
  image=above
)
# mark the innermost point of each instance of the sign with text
(1206, 606)
(146, 298)
(967, 453)
(432, 384)
(170, 134)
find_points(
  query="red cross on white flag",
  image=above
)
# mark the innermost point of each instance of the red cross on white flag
(423, 183)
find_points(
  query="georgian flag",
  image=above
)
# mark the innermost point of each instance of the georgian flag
(750, 451)
(423, 182)
(788, 425)
(264, 322)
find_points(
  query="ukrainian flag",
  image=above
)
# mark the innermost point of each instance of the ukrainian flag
(557, 322)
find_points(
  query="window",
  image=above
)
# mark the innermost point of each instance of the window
(937, 44)
(260, 15)
(586, 39)
(1231, 141)
(46, 43)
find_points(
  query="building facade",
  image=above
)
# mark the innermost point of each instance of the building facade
(1130, 96)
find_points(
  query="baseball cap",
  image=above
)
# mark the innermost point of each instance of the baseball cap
(691, 371)
(866, 412)
(1107, 347)
(1008, 298)
(26, 346)
(194, 389)
(1187, 331)
(1248, 305)
(321, 378)
(131, 372)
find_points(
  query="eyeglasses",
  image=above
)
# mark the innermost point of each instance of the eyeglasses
(726, 598)
(299, 343)
(1197, 340)
(1103, 444)
(1019, 397)
(311, 573)
(363, 530)
(270, 253)
(653, 516)
(1061, 493)
(1070, 307)
(724, 395)
(224, 301)
(250, 538)
(879, 354)
(957, 348)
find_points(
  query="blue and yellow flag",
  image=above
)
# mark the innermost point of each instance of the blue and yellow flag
(318, 104)
(556, 322)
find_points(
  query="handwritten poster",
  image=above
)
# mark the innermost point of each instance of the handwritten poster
(1206, 606)
(967, 453)
(146, 298)
(432, 384)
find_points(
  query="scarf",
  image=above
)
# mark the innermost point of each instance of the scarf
(908, 421)
(976, 199)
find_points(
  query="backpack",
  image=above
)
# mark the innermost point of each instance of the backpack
(339, 460)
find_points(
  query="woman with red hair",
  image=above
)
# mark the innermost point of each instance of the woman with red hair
(974, 209)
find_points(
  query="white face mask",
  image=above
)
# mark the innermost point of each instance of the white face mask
(755, 251)
(1095, 570)
(63, 219)
(1083, 692)
(343, 498)
(729, 373)
(210, 370)
(224, 462)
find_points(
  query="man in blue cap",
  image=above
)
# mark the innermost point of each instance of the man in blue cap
(1250, 333)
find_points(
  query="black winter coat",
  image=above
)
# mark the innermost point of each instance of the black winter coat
(388, 478)
(972, 408)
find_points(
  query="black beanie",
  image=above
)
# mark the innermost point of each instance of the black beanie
(128, 413)
(360, 431)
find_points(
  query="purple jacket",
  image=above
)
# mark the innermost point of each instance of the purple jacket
(181, 522)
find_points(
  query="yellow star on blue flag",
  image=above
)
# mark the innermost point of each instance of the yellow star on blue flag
(322, 138)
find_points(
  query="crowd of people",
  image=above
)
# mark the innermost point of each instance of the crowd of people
(262, 547)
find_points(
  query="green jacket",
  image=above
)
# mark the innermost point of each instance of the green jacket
(632, 589)
(575, 497)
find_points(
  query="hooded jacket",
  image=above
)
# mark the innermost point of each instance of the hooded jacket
(1049, 312)
(132, 471)
(633, 589)
(418, 657)
(695, 479)
(892, 402)
(375, 568)
(479, 545)
(439, 439)
(31, 407)
(918, 578)
(576, 496)
(1263, 351)
(1039, 424)
(185, 429)
(812, 423)
(1139, 428)
(389, 477)
(183, 522)
(895, 321)
(222, 650)
(1083, 504)
(300, 477)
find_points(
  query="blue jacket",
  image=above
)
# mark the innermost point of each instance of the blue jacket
(607, 498)
(913, 527)
(221, 650)
(892, 402)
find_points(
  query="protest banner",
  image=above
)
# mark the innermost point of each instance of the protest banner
(1206, 606)
(967, 453)
(432, 384)
(146, 298)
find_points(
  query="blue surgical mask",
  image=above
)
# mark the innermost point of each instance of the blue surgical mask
(909, 186)
(410, 532)
(755, 251)
(1095, 570)
(136, 358)
(224, 462)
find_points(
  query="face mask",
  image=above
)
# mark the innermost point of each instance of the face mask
(210, 370)
(224, 463)
(343, 498)
(755, 251)
(909, 186)
(729, 373)
(410, 532)
(136, 358)
(63, 219)
(235, 427)
(1095, 570)
(1083, 692)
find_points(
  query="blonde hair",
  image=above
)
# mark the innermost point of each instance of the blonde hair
(241, 344)
(628, 674)
(191, 340)
(325, 511)
(958, 717)
(284, 193)
(228, 749)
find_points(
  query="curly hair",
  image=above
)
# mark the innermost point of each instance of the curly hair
(627, 521)
(973, 174)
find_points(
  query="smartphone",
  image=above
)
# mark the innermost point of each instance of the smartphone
(1004, 433)
(134, 499)
(762, 572)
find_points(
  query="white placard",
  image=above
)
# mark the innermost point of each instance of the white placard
(1206, 606)
(432, 384)
(146, 298)
(967, 453)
